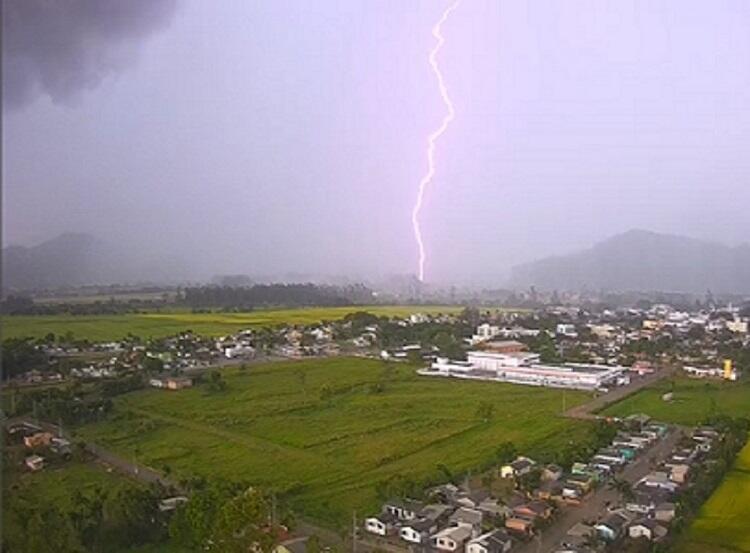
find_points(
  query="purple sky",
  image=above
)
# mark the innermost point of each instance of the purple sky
(266, 137)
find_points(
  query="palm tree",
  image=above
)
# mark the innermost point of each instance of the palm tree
(623, 487)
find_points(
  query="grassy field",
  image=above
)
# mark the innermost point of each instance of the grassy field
(274, 428)
(723, 524)
(154, 325)
(693, 401)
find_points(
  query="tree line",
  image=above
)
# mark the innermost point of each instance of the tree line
(264, 295)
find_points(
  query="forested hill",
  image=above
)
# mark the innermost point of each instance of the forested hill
(644, 261)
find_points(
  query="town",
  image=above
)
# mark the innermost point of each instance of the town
(628, 488)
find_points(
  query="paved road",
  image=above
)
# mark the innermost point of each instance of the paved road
(596, 503)
(587, 410)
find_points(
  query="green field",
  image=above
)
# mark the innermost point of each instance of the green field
(156, 325)
(723, 524)
(693, 401)
(273, 427)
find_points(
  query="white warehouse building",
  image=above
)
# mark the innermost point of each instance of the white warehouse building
(525, 368)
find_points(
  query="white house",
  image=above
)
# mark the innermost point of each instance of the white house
(484, 332)
(452, 538)
(418, 531)
(380, 525)
(403, 510)
(647, 528)
(567, 330)
(519, 467)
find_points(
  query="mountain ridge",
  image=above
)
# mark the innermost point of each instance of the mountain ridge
(645, 261)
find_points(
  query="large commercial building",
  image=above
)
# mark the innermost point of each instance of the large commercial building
(520, 367)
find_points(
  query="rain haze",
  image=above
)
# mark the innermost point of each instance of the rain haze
(275, 137)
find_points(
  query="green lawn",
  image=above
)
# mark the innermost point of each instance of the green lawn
(723, 524)
(693, 401)
(272, 428)
(114, 327)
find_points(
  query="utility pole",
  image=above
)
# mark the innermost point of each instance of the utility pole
(273, 509)
(354, 531)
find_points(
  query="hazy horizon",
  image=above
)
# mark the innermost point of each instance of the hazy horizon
(261, 138)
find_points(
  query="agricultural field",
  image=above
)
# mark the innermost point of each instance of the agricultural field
(157, 325)
(693, 400)
(723, 524)
(324, 433)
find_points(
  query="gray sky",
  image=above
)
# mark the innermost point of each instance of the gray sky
(268, 137)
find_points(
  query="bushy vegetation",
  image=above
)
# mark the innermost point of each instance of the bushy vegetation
(78, 507)
(720, 495)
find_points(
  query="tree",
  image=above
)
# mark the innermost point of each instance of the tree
(192, 524)
(133, 517)
(242, 525)
(415, 357)
(48, 530)
(313, 544)
(506, 452)
(153, 364)
(216, 382)
(623, 487)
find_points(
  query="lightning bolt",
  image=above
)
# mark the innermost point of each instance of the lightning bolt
(434, 135)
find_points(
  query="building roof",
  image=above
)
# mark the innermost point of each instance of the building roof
(494, 541)
(457, 533)
(469, 516)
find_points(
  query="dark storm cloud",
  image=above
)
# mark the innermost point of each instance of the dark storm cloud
(60, 47)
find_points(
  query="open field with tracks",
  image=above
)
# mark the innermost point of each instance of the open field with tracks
(155, 325)
(692, 402)
(324, 433)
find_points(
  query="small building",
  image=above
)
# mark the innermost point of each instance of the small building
(611, 527)
(658, 480)
(552, 472)
(519, 525)
(406, 509)
(381, 525)
(418, 531)
(519, 467)
(647, 528)
(495, 541)
(533, 510)
(679, 473)
(34, 463)
(178, 383)
(61, 446)
(665, 512)
(171, 503)
(40, 439)
(463, 515)
(452, 538)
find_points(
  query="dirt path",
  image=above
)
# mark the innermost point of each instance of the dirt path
(587, 411)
